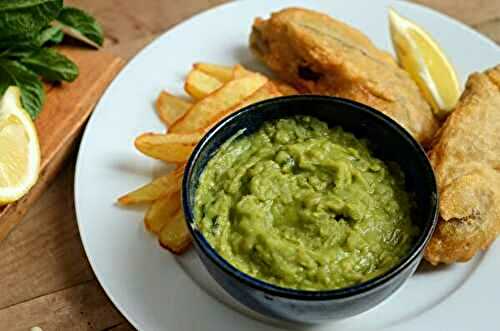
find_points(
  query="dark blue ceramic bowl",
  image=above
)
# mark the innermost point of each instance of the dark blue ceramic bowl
(391, 143)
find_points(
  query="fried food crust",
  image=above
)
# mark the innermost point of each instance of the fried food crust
(466, 161)
(318, 54)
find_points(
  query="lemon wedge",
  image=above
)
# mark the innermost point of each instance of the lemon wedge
(426, 63)
(19, 148)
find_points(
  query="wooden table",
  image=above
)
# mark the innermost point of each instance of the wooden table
(45, 278)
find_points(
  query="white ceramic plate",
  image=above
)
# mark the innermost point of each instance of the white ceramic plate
(157, 291)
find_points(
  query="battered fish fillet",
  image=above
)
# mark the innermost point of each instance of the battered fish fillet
(318, 54)
(466, 160)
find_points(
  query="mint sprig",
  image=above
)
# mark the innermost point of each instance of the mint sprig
(80, 25)
(27, 29)
(32, 93)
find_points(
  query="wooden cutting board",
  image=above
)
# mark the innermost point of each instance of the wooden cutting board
(66, 110)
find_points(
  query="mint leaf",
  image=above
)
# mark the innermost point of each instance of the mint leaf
(5, 82)
(50, 34)
(51, 65)
(22, 17)
(28, 25)
(19, 51)
(32, 93)
(18, 41)
(80, 25)
(21, 46)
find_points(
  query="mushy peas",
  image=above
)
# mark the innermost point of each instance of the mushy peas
(304, 206)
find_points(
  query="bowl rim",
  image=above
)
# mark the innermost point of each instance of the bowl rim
(290, 293)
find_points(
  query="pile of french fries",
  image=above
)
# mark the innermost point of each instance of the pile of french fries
(216, 91)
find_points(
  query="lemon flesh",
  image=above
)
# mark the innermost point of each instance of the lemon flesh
(426, 63)
(19, 148)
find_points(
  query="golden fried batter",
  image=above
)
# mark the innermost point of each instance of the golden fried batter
(466, 160)
(318, 54)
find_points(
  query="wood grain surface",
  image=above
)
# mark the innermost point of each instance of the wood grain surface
(66, 109)
(45, 278)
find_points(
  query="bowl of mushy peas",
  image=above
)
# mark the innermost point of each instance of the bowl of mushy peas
(309, 208)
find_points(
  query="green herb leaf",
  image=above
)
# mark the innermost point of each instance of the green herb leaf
(50, 34)
(17, 52)
(51, 65)
(17, 47)
(24, 29)
(32, 93)
(23, 17)
(80, 25)
(18, 41)
(5, 82)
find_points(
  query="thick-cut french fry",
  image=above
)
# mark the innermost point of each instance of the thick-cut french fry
(284, 88)
(168, 138)
(175, 235)
(171, 108)
(240, 71)
(161, 210)
(170, 147)
(228, 96)
(169, 152)
(267, 91)
(222, 73)
(158, 188)
(198, 84)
